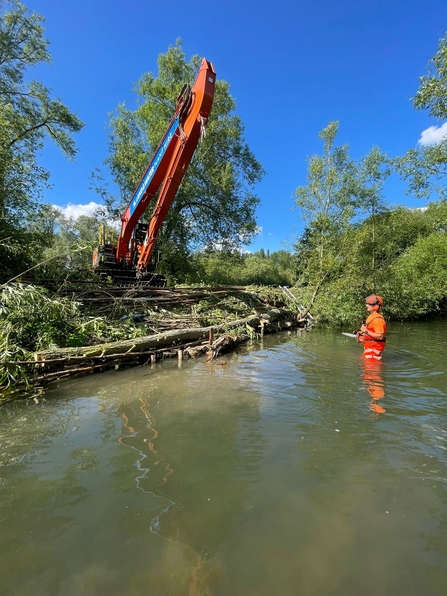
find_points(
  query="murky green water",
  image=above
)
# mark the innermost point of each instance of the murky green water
(290, 470)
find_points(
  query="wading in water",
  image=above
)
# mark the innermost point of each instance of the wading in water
(372, 336)
(372, 332)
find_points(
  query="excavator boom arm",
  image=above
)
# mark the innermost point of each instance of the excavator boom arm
(168, 164)
(202, 96)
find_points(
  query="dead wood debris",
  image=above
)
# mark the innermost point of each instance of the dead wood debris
(178, 322)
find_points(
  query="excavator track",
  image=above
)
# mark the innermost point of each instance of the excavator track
(130, 278)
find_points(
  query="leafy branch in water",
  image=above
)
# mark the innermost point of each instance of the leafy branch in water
(10, 372)
(31, 320)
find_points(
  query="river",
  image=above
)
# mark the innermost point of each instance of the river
(286, 468)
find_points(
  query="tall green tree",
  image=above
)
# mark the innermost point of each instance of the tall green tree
(432, 92)
(28, 116)
(337, 189)
(425, 168)
(215, 203)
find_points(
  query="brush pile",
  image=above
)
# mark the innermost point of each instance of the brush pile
(56, 332)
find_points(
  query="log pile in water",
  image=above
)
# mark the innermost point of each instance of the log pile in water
(172, 333)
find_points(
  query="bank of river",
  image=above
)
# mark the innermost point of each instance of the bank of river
(290, 469)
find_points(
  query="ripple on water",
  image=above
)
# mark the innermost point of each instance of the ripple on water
(404, 364)
(269, 459)
(283, 376)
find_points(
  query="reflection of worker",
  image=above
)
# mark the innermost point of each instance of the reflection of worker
(374, 383)
(372, 332)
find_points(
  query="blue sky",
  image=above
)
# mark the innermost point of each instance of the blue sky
(293, 67)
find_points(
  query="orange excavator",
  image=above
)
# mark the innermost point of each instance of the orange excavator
(134, 255)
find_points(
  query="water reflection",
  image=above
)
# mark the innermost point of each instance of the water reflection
(264, 476)
(195, 449)
(374, 383)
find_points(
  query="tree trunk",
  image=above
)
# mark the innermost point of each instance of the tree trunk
(271, 321)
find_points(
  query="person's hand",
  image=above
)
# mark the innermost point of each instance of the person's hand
(363, 328)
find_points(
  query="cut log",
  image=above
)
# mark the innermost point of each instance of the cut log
(271, 321)
(139, 344)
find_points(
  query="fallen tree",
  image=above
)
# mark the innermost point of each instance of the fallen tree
(60, 363)
(267, 322)
(172, 333)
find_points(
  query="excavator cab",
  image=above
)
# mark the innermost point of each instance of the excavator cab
(104, 258)
(104, 255)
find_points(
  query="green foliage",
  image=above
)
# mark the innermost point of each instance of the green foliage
(20, 248)
(217, 267)
(51, 246)
(425, 168)
(436, 214)
(70, 252)
(409, 271)
(215, 202)
(235, 268)
(337, 190)
(341, 301)
(214, 312)
(28, 116)
(277, 268)
(398, 253)
(31, 320)
(394, 231)
(420, 275)
(432, 92)
(12, 373)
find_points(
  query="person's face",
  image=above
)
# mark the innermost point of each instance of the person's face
(370, 308)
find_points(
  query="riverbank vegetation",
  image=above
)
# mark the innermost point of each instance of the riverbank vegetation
(354, 242)
(52, 333)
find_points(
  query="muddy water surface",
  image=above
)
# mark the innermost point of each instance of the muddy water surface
(292, 469)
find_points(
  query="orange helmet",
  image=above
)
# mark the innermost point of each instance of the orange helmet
(375, 300)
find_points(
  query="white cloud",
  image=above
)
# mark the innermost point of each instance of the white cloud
(74, 211)
(433, 135)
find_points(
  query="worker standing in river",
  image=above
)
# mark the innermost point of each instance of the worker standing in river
(372, 333)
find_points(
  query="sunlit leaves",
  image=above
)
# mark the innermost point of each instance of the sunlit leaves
(215, 204)
(425, 168)
(338, 189)
(420, 272)
(236, 268)
(432, 92)
(28, 116)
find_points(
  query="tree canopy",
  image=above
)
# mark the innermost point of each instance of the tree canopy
(432, 92)
(28, 116)
(216, 203)
(425, 168)
(337, 190)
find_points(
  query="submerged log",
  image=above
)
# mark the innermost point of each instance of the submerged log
(225, 343)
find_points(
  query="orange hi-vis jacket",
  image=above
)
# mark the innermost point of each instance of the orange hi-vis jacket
(373, 348)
